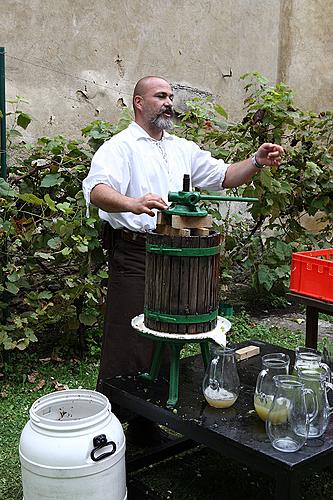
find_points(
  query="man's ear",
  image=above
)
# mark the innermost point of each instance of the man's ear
(138, 99)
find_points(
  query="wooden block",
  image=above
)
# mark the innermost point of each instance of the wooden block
(180, 222)
(184, 232)
(247, 352)
(162, 229)
(167, 230)
(200, 231)
(172, 231)
(163, 219)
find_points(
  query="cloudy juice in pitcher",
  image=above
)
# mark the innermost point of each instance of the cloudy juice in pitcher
(219, 398)
(272, 364)
(262, 406)
(220, 386)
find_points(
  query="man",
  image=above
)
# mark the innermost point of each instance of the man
(130, 177)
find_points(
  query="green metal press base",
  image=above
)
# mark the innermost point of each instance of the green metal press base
(175, 347)
(175, 343)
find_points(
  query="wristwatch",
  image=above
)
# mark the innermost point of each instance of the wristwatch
(255, 163)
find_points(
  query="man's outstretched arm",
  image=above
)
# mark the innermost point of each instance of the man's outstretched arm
(241, 172)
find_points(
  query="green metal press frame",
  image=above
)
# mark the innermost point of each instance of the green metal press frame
(175, 346)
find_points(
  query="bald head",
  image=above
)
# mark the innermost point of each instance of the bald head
(153, 105)
(145, 84)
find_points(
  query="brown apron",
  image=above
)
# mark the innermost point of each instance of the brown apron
(124, 351)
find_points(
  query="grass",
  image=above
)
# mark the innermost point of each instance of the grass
(18, 394)
(326, 317)
(243, 328)
(200, 474)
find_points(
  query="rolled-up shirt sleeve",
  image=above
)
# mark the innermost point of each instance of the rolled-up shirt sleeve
(108, 166)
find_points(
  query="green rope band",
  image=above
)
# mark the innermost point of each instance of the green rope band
(180, 319)
(183, 252)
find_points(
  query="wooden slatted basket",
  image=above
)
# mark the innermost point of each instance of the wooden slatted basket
(182, 282)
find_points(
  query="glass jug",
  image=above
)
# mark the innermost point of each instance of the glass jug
(287, 423)
(272, 364)
(220, 385)
(316, 380)
(307, 358)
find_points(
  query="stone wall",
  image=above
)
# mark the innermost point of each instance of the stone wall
(75, 60)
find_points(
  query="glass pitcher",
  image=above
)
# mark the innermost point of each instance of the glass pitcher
(287, 423)
(316, 380)
(307, 358)
(220, 385)
(272, 364)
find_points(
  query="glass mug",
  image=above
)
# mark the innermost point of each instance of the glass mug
(272, 364)
(307, 358)
(220, 385)
(288, 419)
(316, 380)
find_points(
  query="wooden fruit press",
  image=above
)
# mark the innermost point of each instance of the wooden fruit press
(182, 283)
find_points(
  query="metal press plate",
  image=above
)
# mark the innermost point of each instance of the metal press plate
(218, 334)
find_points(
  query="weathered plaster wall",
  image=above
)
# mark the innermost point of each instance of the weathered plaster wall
(306, 51)
(76, 60)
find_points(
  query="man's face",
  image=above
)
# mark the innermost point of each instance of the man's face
(157, 104)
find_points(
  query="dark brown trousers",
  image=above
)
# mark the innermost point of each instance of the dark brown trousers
(124, 350)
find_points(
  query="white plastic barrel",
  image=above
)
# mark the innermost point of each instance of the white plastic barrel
(73, 448)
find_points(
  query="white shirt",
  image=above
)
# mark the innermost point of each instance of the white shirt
(135, 164)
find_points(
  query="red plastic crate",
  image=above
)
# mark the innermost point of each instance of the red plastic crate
(312, 274)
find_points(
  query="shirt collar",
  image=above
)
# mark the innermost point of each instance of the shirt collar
(139, 133)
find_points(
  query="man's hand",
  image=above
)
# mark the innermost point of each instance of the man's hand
(146, 203)
(269, 154)
(109, 200)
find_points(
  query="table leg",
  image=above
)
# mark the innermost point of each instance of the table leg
(287, 486)
(311, 335)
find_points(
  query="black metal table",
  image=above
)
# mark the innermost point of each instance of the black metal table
(313, 308)
(236, 432)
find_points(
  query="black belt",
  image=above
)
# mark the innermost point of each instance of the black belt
(110, 235)
(126, 235)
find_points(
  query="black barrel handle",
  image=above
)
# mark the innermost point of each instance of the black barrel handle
(100, 442)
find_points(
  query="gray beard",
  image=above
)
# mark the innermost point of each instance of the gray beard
(163, 123)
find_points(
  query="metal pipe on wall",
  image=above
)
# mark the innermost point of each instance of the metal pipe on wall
(3, 139)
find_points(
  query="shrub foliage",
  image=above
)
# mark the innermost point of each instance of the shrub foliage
(53, 270)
